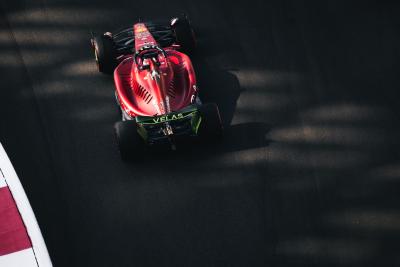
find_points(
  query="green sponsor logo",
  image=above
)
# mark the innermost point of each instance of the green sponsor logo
(170, 117)
(186, 112)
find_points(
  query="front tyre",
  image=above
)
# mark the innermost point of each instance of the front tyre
(104, 52)
(184, 34)
(131, 145)
(211, 124)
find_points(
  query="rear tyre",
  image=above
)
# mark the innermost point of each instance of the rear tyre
(184, 34)
(104, 53)
(131, 145)
(211, 125)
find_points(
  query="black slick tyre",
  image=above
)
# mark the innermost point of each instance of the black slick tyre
(211, 128)
(104, 52)
(184, 34)
(131, 145)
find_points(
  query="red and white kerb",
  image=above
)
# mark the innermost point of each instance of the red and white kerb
(21, 242)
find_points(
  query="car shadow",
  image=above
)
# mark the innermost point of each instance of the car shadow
(218, 86)
(237, 137)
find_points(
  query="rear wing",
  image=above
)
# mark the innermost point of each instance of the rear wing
(21, 241)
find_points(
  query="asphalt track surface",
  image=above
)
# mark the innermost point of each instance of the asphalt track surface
(308, 173)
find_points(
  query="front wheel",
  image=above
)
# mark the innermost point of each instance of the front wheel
(131, 145)
(211, 124)
(104, 53)
(184, 34)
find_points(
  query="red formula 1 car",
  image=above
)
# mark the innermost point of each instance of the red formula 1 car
(156, 87)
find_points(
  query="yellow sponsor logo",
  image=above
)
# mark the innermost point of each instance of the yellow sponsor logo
(140, 29)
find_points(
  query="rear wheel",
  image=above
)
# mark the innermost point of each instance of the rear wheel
(131, 145)
(104, 52)
(211, 125)
(184, 34)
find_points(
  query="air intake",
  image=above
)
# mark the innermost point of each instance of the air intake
(143, 93)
